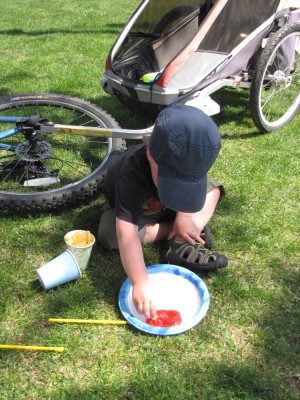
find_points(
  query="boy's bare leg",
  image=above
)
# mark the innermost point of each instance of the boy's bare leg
(156, 232)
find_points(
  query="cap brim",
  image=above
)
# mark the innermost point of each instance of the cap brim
(180, 195)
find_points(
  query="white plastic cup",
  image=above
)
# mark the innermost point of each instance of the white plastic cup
(81, 253)
(59, 270)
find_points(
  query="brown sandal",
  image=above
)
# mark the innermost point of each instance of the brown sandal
(196, 258)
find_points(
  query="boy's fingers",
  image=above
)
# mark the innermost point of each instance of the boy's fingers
(146, 310)
(199, 239)
(139, 306)
(152, 310)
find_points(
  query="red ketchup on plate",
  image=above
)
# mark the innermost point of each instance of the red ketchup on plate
(165, 318)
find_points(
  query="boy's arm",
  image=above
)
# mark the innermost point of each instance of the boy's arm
(132, 258)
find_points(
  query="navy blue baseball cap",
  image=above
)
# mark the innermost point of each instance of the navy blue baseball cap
(185, 143)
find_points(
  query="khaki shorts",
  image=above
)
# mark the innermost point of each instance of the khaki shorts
(107, 235)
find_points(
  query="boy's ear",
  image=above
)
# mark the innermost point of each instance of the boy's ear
(150, 158)
(148, 153)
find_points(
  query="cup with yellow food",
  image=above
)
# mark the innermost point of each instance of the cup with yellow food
(80, 244)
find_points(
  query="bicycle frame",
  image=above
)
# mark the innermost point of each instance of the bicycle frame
(102, 132)
(73, 130)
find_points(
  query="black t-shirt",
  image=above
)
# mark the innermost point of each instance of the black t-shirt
(129, 188)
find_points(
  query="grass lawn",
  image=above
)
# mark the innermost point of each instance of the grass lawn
(247, 347)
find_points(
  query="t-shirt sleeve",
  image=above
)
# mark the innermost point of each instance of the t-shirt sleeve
(129, 199)
(128, 184)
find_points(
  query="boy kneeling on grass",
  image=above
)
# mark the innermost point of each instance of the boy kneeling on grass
(161, 191)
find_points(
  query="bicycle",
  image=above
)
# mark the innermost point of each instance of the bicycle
(57, 151)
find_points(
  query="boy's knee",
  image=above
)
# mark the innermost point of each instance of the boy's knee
(107, 236)
(102, 237)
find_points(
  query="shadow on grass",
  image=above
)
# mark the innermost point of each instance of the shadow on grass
(230, 223)
(113, 106)
(113, 29)
(234, 104)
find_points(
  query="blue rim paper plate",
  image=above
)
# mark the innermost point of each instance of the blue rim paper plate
(175, 288)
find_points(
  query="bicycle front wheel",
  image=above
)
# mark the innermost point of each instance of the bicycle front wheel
(66, 169)
(275, 89)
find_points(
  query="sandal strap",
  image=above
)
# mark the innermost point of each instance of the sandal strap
(195, 254)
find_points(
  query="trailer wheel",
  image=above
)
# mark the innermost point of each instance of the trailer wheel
(275, 89)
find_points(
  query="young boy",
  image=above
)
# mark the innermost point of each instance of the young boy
(160, 191)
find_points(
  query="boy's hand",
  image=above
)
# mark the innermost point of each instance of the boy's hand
(143, 299)
(185, 229)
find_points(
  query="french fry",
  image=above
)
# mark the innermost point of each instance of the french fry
(80, 239)
(89, 237)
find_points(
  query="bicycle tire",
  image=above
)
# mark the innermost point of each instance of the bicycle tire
(274, 92)
(79, 160)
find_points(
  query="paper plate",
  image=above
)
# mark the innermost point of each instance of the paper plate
(175, 288)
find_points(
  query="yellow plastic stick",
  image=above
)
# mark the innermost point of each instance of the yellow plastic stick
(88, 321)
(43, 348)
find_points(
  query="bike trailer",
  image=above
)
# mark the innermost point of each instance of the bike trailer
(171, 49)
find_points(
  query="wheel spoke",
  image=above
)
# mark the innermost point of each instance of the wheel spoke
(52, 169)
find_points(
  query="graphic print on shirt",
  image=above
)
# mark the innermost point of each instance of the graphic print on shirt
(151, 207)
